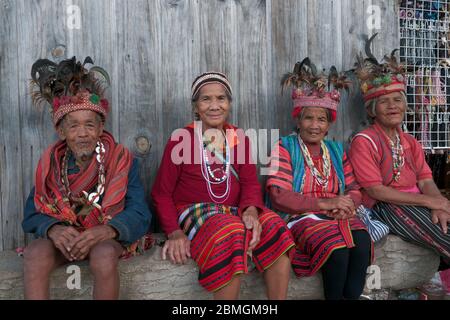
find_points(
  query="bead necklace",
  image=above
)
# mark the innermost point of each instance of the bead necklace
(225, 170)
(321, 179)
(208, 174)
(398, 159)
(93, 197)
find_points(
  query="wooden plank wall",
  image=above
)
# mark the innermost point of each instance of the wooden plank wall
(153, 49)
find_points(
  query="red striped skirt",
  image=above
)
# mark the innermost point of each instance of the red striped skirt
(317, 239)
(219, 247)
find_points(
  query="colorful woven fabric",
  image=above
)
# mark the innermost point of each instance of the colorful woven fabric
(288, 171)
(376, 78)
(371, 157)
(315, 234)
(208, 78)
(220, 242)
(50, 197)
(315, 89)
(81, 101)
(138, 247)
(183, 184)
(414, 224)
(316, 239)
(69, 86)
(376, 228)
(193, 217)
(394, 83)
(335, 149)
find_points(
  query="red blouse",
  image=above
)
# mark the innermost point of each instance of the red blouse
(183, 184)
(291, 202)
(373, 166)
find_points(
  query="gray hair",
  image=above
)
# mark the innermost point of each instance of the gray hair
(302, 113)
(373, 105)
(195, 100)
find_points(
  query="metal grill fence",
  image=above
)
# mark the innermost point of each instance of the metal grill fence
(424, 50)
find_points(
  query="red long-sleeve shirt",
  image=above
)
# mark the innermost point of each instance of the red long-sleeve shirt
(183, 184)
(372, 162)
(292, 202)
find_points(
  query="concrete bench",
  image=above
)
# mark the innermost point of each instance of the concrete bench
(401, 265)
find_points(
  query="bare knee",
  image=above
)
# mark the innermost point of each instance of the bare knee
(40, 256)
(104, 257)
(281, 266)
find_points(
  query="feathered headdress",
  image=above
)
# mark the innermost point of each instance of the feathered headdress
(313, 89)
(377, 79)
(69, 86)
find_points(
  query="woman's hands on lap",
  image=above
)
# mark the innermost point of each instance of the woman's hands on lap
(178, 247)
(251, 222)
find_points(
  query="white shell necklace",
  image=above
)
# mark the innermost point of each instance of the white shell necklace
(93, 197)
(208, 174)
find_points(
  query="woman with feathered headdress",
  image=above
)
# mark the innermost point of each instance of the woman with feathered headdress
(390, 165)
(311, 185)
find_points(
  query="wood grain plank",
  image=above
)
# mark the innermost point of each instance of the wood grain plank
(289, 44)
(153, 49)
(352, 115)
(141, 90)
(37, 131)
(11, 168)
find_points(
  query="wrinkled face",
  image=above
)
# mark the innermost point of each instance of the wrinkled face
(390, 110)
(212, 106)
(81, 130)
(313, 124)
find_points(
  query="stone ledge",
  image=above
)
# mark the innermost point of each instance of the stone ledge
(402, 265)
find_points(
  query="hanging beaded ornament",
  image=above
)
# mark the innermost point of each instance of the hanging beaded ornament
(93, 197)
(322, 179)
(398, 159)
(208, 174)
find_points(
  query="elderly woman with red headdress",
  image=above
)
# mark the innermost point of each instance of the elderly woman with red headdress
(311, 185)
(88, 202)
(209, 201)
(390, 165)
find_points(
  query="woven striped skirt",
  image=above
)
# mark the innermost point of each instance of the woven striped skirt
(316, 237)
(413, 224)
(219, 242)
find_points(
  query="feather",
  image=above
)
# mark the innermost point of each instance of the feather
(50, 80)
(369, 54)
(297, 67)
(313, 68)
(306, 62)
(98, 86)
(371, 72)
(342, 82)
(43, 77)
(88, 60)
(42, 67)
(287, 80)
(101, 71)
(332, 76)
(392, 65)
(37, 98)
(305, 75)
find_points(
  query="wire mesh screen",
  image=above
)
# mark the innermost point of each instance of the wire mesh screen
(424, 49)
